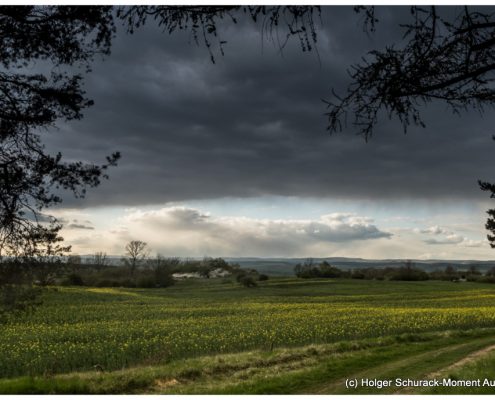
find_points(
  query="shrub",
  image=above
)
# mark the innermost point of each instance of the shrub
(487, 279)
(323, 270)
(327, 271)
(106, 283)
(409, 274)
(18, 298)
(74, 279)
(358, 274)
(263, 277)
(146, 282)
(127, 283)
(163, 277)
(240, 276)
(247, 281)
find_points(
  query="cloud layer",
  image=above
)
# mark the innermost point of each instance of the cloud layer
(187, 231)
(446, 237)
(193, 232)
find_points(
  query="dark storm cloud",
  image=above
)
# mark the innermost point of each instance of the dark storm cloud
(252, 124)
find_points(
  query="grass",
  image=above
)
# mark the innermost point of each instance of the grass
(480, 369)
(286, 336)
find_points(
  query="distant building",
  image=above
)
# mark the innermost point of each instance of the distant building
(186, 275)
(219, 273)
(216, 273)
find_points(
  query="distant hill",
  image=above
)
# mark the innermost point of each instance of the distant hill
(285, 266)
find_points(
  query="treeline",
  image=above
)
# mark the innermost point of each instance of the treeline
(408, 272)
(156, 272)
(150, 272)
(136, 270)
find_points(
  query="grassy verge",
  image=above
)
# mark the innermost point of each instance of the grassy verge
(481, 369)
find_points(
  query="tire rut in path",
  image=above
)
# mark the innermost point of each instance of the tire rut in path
(459, 363)
(463, 361)
(390, 366)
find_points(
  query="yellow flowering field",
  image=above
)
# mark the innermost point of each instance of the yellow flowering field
(80, 328)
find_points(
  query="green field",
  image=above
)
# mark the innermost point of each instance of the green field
(284, 336)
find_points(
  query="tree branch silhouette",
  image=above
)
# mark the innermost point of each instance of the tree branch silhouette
(30, 103)
(202, 22)
(448, 60)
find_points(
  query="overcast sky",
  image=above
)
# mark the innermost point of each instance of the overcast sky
(233, 158)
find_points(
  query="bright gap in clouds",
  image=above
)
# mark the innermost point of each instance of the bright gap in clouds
(285, 227)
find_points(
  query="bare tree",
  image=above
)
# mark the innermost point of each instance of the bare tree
(100, 260)
(136, 252)
(74, 262)
(162, 269)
